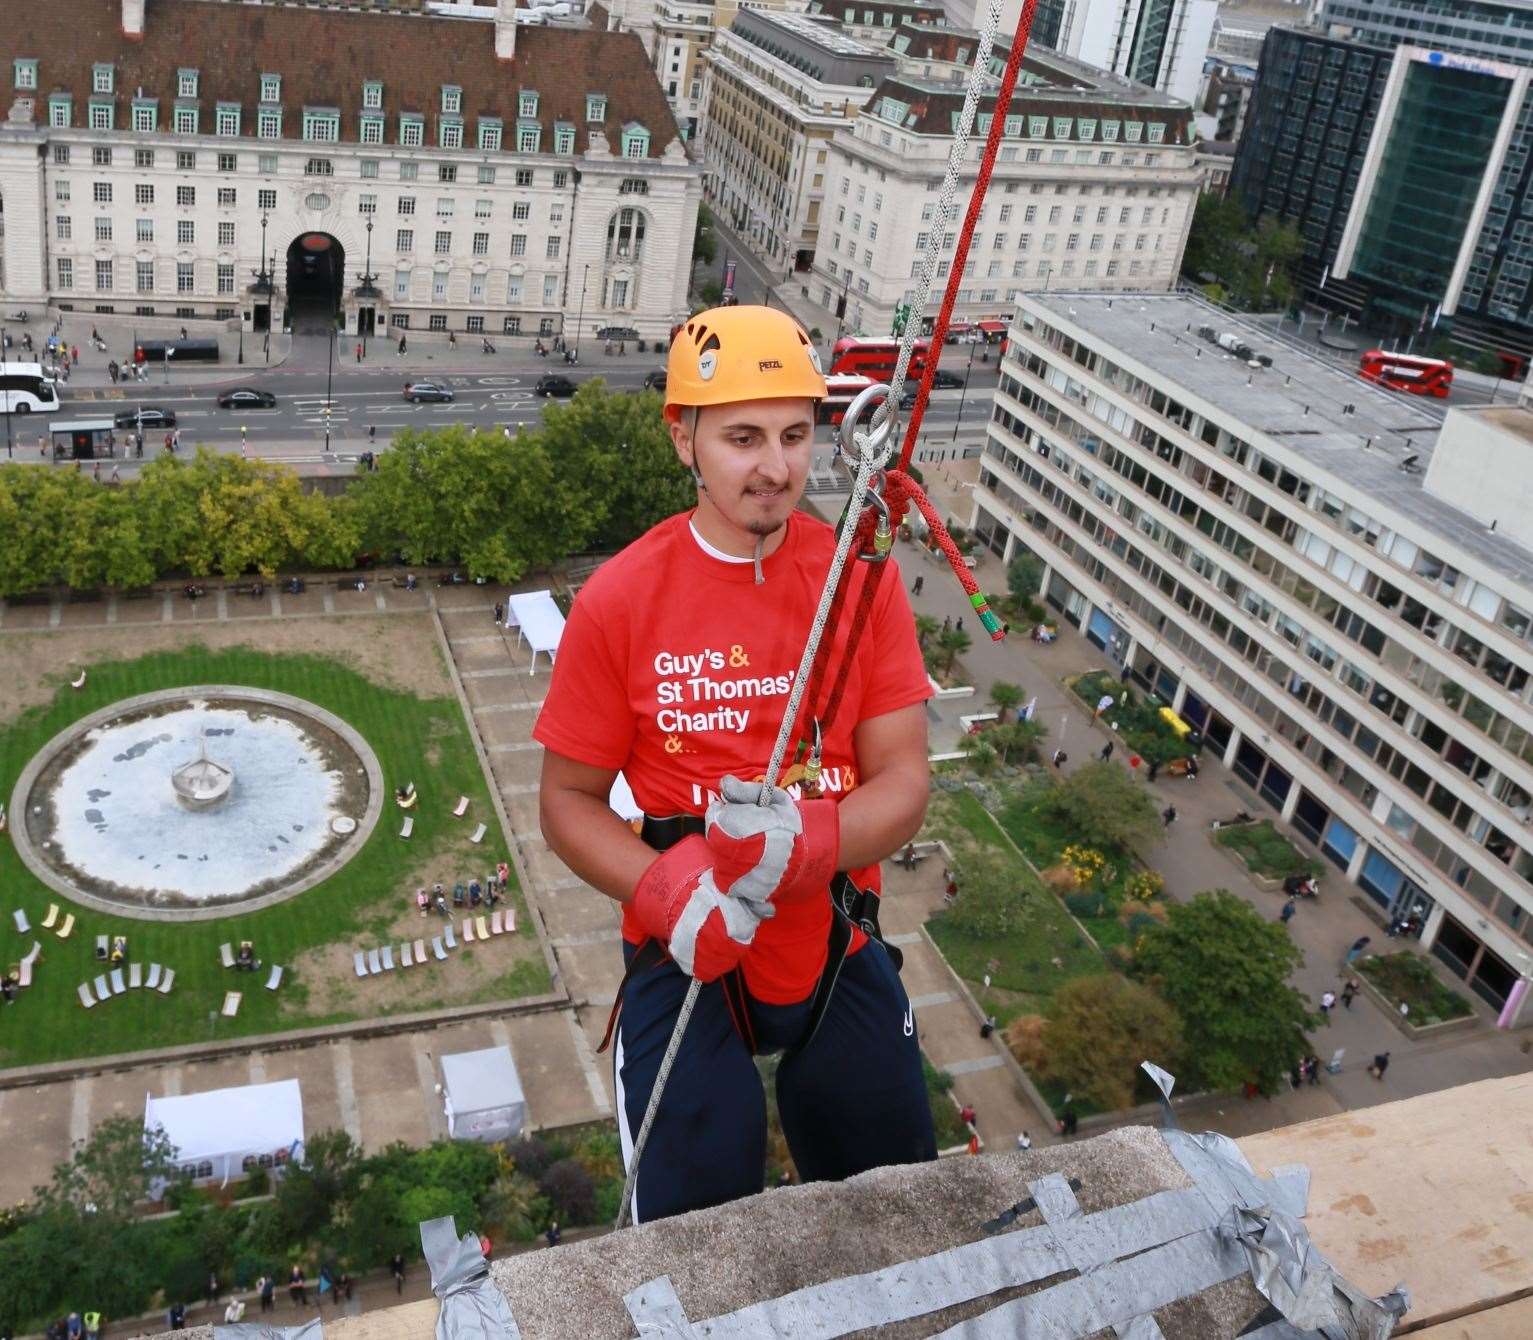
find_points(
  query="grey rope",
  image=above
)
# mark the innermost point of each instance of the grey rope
(871, 451)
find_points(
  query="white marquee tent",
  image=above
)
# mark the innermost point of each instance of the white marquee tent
(483, 1098)
(214, 1133)
(538, 622)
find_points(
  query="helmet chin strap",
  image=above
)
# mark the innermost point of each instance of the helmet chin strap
(697, 476)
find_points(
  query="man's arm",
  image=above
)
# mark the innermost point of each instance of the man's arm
(884, 811)
(583, 830)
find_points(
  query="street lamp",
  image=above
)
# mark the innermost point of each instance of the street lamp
(368, 289)
(329, 373)
(846, 288)
(580, 318)
(963, 390)
(7, 412)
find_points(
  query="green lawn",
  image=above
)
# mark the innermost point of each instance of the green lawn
(424, 739)
(1025, 974)
(1266, 851)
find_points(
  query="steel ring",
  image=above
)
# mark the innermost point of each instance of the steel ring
(874, 445)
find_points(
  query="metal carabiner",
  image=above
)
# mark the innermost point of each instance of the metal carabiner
(876, 444)
(883, 532)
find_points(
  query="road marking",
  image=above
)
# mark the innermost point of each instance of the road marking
(345, 1088)
(494, 673)
(257, 1068)
(495, 708)
(935, 998)
(425, 1072)
(520, 747)
(971, 1067)
(521, 789)
(79, 1110)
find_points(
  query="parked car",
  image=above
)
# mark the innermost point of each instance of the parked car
(654, 381)
(617, 333)
(150, 416)
(552, 385)
(435, 392)
(943, 380)
(246, 397)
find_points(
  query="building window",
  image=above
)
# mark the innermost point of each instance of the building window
(443, 243)
(143, 193)
(145, 116)
(510, 325)
(226, 279)
(102, 190)
(226, 233)
(450, 134)
(553, 247)
(186, 197)
(66, 269)
(447, 172)
(267, 164)
(550, 290)
(372, 130)
(514, 289)
(372, 94)
(228, 162)
(186, 277)
(524, 176)
(103, 276)
(412, 131)
(269, 125)
(186, 160)
(452, 99)
(271, 88)
(406, 204)
(439, 294)
(63, 228)
(404, 240)
(596, 107)
(633, 186)
(564, 139)
(482, 209)
(369, 168)
(620, 293)
(143, 276)
(185, 121)
(528, 136)
(521, 209)
(227, 121)
(25, 74)
(409, 171)
(60, 111)
(518, 244)
(489, 135)
(486, 174)
(61, 191)
(266, 199)
(145, 229)
(444, 207)
(322, 125)
(400, 320)
(474, 325)
(186, 233)
(319, 167)
(228, 197)
(101, 115)
(635, 141)
(481, 244)
(61, 155)
(561, 180)
(367, 204)
(401, 284)
(102, 80)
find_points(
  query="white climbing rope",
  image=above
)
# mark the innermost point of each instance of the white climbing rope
(871, 451)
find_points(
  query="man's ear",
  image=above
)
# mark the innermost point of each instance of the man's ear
(681, 439)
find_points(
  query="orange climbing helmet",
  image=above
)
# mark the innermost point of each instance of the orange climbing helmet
(740, 353)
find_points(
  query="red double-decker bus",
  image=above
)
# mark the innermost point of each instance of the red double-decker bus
(840, 391)
(1405, 372)
(874, 358)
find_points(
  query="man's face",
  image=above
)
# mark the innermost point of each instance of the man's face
(754, 457)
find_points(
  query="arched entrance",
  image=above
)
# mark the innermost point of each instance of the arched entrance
(316, 268)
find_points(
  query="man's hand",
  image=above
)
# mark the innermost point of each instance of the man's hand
(677, 900)
(778, 852)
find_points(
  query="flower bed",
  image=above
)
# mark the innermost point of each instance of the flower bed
(1137, 720)
(1265, 851)
(1404, 978)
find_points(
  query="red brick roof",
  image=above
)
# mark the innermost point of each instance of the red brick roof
(325, 55)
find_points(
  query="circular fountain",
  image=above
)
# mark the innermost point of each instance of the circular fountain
(194, 803)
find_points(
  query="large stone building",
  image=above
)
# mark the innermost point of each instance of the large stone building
(1094, 187)
(1328, 581)
(267, 161)
(1397, 137)
(776, 87)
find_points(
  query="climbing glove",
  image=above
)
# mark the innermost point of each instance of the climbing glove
(678, 902)
(779, 852)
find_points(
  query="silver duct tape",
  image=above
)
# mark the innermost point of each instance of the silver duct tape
(657, 1312)
(1216, 1164)
(472, 1307)
(1141, 1328)
(260, 1330)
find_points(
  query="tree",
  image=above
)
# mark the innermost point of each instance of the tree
(1015, 741)
(926, 627)
(1097, 1032)
(1104, 805)
(120, 1165)
(311, 1189)
(991, 897)
(711, 293)
(1005, 698)
(704, 243)
(1024, 575)
(1225, 970)
(951, 645)
(1218, 224)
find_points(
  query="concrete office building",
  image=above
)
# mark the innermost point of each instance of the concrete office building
(431, 173)
(1398, 137)
(1332, 584)
(1094, 187)
(777, 86)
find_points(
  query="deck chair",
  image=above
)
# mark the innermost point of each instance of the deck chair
(448, 938)
(510, 921)
(231, 1004)
(19, 916)
(374, 963)
(226, 954)
(67, 928)
(482, 927)
(495, 924)
(406, 955)
(388, 958)
(34, 953)
(275, 980)
(101, 948)
(359, 959)
(86, 999)
(52, 918)
(462, 807)
(154, 976)
(436, 947)
(166, 982)
(408, 827)
(118, 985)
(478, 835)
(24, 972)
(102, 989)
(135, 976)
(420, 951)
(468, 930)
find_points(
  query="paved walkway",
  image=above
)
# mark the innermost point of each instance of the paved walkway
(1323, 929)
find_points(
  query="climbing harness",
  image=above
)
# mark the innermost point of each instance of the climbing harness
(880, 497)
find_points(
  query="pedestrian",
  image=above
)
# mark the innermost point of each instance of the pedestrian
(988, 1027)
(551, 1234)
(1327, 1003)
(1068, 1121)
(73, 1328)
(1060, 758)
(1168, 816)
(958, 627)
(175, 439)
(500, 614)
(297, 1287)
(920, 581)
(170, 442)
(359, 351)
(268, 1291)
(1358, 945)
(1313, 1067)
(1154, 769)
(235, 1312)
(244, 442)
(111, 371)
(116, 477)
(74, 353)
(1286, 915)
(967, 1114)
(212, 1287)
(95, 471)
(1106, 751)
(401, 350)
(138, 445)
(397, 1268)
(1349, 992)
(1379, 1066)
(1024, 1141)
(950, 890)
(947, 623)
(92, 1322)
(175, 1318)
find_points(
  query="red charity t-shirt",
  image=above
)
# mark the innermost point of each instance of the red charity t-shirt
(675, 668)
